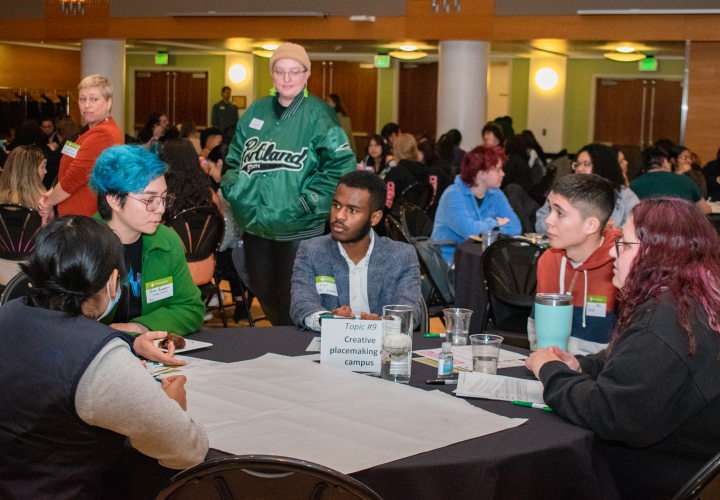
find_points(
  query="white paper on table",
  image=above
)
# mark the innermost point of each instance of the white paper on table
(314, 345)
(278, 405)
(483, 385)
(462, 355)
(159, 370)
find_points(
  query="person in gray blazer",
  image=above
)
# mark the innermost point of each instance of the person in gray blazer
(353, 272)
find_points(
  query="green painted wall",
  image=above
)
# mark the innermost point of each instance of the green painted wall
(519, 81)
(385, 97)
(578, 92)
(263, 78)
(213, 64)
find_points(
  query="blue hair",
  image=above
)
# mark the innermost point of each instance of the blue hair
(125, 169)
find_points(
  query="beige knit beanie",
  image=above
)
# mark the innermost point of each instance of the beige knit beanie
(290, 51)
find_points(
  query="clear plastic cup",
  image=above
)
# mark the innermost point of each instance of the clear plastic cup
(457, 325)
(485, 352)
(396, 349)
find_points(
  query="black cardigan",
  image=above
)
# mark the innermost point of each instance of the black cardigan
(655, 407)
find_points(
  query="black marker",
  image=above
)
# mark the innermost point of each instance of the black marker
(448, 381)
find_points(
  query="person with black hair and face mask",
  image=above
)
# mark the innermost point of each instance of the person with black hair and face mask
(89, 392)
(361, 272)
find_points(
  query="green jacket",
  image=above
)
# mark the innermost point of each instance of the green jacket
(163, 257)
(283, 171)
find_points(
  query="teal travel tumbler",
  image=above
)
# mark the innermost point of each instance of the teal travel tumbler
(553, 319)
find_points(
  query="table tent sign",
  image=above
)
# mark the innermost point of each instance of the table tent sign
(351, 344)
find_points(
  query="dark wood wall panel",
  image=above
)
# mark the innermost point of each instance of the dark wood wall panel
(702, 133)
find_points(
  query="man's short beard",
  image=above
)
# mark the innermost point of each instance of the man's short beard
(361, 233)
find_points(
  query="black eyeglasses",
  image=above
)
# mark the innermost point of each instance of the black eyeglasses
(152, 203)
(619, 242)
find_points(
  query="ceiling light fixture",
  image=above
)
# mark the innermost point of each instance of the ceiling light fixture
(263, 53)
(270, 46)
(400, 54)
(625, 50)
(408, 48)
(620, 57)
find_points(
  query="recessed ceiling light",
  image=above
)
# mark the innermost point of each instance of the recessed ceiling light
(625, 50)
(399, 54)
(270, 46)
(624, 57)
(408, 48)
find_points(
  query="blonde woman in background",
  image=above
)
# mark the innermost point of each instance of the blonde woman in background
(72, 194)
(21, 183)
(409, 169)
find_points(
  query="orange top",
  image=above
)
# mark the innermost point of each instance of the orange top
(74, 173)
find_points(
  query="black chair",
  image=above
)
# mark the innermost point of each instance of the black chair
(705, 485)
(17, 287)
(19, 226)
(434, 300)
(509, 268)
(419, 194)
(715, 221)
(264, 477)
(201, 230)
(415, 222)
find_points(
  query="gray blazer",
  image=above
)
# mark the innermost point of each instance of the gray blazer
(393, 277)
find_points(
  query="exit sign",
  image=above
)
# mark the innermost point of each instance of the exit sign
(648, 64)
(161, 58)
(382, 61)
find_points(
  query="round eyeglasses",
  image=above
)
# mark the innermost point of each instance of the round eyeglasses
(152, 203)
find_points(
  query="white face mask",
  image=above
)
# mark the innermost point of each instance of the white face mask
(112, 301)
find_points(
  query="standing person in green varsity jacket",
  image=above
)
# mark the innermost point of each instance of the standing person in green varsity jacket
(285, 161)
(580, 206)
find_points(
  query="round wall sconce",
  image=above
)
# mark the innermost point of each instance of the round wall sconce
(546, 79)
(238, 73)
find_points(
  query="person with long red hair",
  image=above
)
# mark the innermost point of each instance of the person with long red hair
(652, 396)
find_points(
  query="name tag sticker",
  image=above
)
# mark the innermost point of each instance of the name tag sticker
(596, 306)
(159, 289)
(256, 124)
(325, 285)
(71, 149)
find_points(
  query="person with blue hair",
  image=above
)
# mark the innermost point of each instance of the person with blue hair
(131, 198)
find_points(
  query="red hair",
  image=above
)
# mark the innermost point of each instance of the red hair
(678, 254)
(482, 158)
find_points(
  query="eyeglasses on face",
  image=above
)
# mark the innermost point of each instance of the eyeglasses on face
(575, 165)
(294, 74)
(685, 157)
(152, 203)
(622, 244)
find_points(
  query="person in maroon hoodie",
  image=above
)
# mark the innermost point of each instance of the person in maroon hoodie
(580, 253)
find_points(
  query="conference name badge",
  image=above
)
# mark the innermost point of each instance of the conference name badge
(351, 344)
(325, 285)
(159, 289)
(71, 149)
(596, 306)
(256, 124)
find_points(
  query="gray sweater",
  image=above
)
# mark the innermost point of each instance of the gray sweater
(117, 393)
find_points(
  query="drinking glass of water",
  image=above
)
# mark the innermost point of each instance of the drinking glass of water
(485, 352)
(397, 343)
(457, 325)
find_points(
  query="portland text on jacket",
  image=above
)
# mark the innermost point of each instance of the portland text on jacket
(263, 157)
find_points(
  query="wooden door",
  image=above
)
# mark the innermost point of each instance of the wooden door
(180, 95)
(152, 95)
(637, 112)
(417, 113)
(190, 98)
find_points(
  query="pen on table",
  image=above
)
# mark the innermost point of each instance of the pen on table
(434, 335)
(532, 405)
(448, 381)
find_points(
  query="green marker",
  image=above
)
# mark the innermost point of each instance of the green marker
(434, 335)
(532, 405)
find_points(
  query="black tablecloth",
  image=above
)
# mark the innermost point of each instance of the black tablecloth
(545, 458)
(469, 287)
